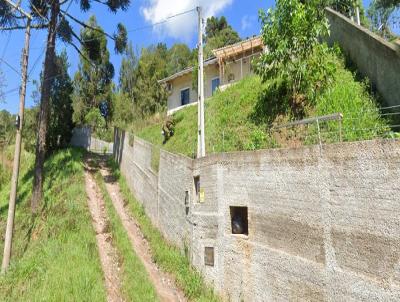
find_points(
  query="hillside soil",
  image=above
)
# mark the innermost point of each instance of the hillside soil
(163, 283)
(107, 253)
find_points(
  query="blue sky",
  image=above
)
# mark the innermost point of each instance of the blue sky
(241, 14)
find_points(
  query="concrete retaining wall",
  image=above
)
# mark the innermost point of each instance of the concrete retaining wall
(82, 137)
(374, 57)
(323, 223)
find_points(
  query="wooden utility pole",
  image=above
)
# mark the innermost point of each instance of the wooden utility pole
(18, 141)
(201, 146)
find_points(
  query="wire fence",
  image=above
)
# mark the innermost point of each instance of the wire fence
(363, 125)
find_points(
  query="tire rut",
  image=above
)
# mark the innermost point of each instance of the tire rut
(163, 283)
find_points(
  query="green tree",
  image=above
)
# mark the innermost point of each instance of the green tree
(379, 13)
(150, 96)
(93, 80)
(128, 72)
(179, 57)
(218, 34)
(60, 123)
(295, 58)
(53, 15)
(7, 129)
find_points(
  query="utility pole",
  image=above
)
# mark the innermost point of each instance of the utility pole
(358, 15)
(201, 145)
(17, 153)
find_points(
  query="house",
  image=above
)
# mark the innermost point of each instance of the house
(229, 65)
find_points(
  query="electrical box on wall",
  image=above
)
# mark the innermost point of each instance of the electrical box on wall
(209, 256)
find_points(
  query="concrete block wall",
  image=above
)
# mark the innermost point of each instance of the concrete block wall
(375, 58)
(82, 137)
(323, 222)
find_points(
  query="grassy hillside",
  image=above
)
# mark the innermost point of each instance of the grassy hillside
(54, 255)
(240, 118)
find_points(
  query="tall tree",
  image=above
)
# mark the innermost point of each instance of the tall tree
(218, 34)
(53, 15)
(93, 80)
(295, 58)
(60, 122)
(178, 58)
(128, 72)
(150, 96)
(379, 13)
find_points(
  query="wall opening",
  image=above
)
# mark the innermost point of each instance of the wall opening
(187, 202)
(209, 256)
(196, 181)
(239, 220)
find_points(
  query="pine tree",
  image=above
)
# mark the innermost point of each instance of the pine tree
(53, 15)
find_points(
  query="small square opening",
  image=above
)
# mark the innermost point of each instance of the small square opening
(209, 256)
(239, 220)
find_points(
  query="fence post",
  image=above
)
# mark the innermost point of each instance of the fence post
(319, 132)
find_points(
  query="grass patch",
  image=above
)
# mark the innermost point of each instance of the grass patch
(54, 253)
(240, 118)
(167, 256)
(136, 285)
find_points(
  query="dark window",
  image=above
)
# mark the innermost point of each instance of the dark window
(239, 220)
(214, 85)
(185, 96)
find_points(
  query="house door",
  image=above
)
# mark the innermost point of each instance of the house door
(214, 85)
(185, 96)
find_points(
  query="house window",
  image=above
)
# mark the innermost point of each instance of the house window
(214, 85)
(185, 96)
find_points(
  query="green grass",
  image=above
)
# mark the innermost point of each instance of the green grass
(167, 256)
(240, 117)
(136, 285)
(55, 255)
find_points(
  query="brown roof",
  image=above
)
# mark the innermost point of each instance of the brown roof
(237, 48)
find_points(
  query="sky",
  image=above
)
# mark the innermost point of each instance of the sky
(241, 14)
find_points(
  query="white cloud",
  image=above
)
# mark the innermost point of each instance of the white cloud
(183, 26)
(247, 22)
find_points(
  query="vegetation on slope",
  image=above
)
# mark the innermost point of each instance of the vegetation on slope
(167, 256)
(241, 117)
(54, 253)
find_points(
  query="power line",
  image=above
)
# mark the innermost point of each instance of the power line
(161, 22)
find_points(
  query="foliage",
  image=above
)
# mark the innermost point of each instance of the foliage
(136, 285)
(93, 81)
(55, 255)
(240, 118)
(348, 7)
(7, 128)
(139, 85)
(218, 34)
(379, 13)
(179, 57)
(167, 256)
(60, 123)
(30, 128)
(295, 57)
(128, 73)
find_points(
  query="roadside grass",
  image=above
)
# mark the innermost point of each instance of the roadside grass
(136, 285)
(167, 256)
(54, 253)
(240, 118)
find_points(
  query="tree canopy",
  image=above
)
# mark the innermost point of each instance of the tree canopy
(93, 80)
